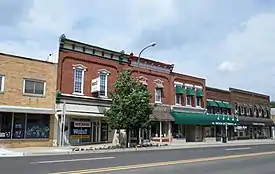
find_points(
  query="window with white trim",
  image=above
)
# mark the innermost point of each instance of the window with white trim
(79, 80)
(242, 110)
(2, 82)
(199, 101)
(103, 84)
(178, 99)
(189, 100)
(248, 111)
(35, 87)
(158, 95)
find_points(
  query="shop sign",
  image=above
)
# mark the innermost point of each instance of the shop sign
(258, 124)
(95, 85)
(82, 124)
(80, 130)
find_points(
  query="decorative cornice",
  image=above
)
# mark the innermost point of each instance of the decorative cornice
(80, 66)
(104, 71)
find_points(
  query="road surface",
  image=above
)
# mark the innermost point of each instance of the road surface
(252, 159)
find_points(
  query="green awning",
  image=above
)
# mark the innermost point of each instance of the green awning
(211, 103)
(227, 105)
(199, 93)
(222, 119)
(190, 91)
(179, 89)
(221, 104)
(203, 119)
(192, 118)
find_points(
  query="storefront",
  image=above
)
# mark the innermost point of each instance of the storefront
(85, 122)
(194, 127)
(254, 128)
(26, 126)
(87, 131)
(161, 126)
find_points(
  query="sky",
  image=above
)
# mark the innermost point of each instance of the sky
(230, 43)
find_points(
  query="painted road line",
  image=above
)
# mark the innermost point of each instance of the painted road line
(71, 160)
(138, 166)
(240, 148)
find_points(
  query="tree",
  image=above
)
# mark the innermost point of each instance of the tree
(130, 108)
(272, 104)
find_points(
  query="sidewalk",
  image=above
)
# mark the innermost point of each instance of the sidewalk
(32, 151)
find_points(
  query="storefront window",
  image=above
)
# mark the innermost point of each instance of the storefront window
(37, 126)
(80, 131)
(210, 131)
(104, 131)
(19, 126)
(5, 125)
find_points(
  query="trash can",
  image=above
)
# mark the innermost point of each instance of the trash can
(224, 139)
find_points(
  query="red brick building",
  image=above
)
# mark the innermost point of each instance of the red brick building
(85, 75)
(218, 103)
(253, 110)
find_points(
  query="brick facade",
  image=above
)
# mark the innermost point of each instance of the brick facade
(249, 100)
(15, 69)
(73, 53)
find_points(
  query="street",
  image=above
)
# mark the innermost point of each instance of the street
(252, 159)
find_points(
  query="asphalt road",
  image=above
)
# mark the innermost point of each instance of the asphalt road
(256, 165)
(220, 160)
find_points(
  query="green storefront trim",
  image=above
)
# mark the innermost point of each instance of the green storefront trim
(221, 119)
(179, 89)
(190, 91)
(203, 119)
(199, 93)
(227, 105)
(221, 104)
(211, 103)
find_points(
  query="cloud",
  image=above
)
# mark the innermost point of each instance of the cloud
(227, 67)
(224, 41)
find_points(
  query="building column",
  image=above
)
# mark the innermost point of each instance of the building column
(99, 131)
(170, 132)
(55, 130)
(160, 131)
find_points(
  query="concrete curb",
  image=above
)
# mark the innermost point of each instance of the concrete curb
(142, 149)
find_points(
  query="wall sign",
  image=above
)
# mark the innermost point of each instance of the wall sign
(258, 124)
(82, 124)
(95, 85)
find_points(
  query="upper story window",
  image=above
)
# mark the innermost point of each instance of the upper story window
(189, 95)
(103, 83)
(178, 99)
(34, 87)
(158, 95)
(199, 96)
(179, 91)
(199, 101)
(189, 99)
(242, 110)
(79, 79)
(158, 90)
(2, 82)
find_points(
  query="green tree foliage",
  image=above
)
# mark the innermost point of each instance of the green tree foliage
(272, 104)
(130, 108)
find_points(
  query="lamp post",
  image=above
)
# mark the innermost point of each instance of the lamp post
(148, 46)
(139, 55)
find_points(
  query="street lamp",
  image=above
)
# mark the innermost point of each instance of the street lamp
(148, 46)
(139, 55)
